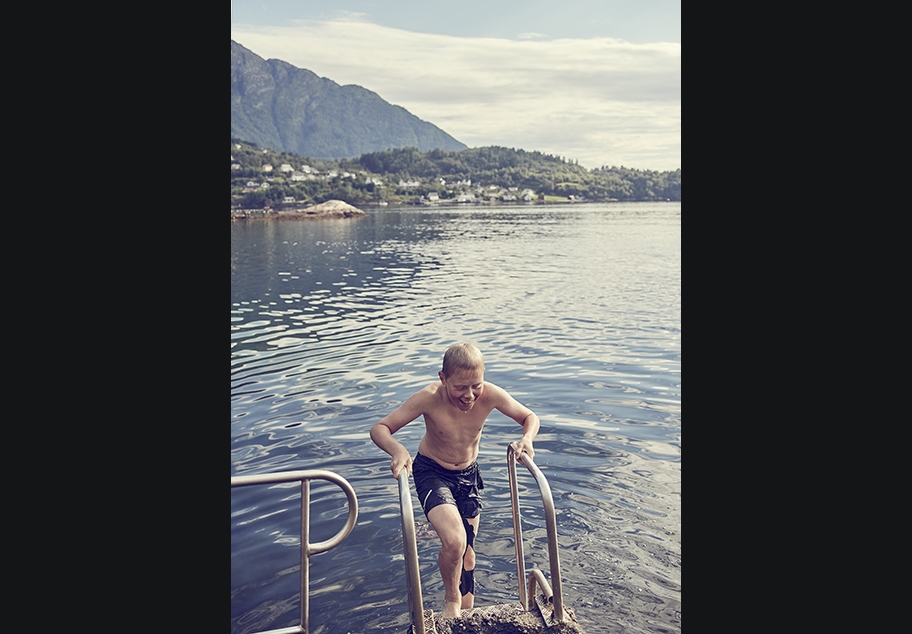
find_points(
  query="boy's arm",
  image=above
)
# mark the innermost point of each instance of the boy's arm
(382, 433)
(509, 406)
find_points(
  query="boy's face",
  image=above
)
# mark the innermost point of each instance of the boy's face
(464, 388)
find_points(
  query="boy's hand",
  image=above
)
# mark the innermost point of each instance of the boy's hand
(401, 459)
(524, 447)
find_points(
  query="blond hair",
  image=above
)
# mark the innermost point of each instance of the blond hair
(460, 357)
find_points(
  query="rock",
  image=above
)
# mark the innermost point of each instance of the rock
(329, 209)
(503, 619)
(334, 208)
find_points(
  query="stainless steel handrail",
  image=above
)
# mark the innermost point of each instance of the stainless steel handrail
(410, 546)
(536, 576)
(307, 549)
(551, 526)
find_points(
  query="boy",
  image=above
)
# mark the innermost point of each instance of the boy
(447, 479)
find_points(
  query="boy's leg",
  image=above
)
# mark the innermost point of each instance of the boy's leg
(446, 521)
(467, 583)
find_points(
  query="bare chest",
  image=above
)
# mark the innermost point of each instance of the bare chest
(465, 428)
(451, 441)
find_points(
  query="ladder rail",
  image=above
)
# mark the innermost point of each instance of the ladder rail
(551, 527)
(410, 547)
(307, 549)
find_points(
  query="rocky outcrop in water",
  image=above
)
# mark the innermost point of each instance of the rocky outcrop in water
(329, 209)
(503, 619)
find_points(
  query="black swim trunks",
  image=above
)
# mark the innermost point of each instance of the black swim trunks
(436, 485)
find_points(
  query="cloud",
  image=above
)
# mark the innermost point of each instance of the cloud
(343, 15)
(601, 101)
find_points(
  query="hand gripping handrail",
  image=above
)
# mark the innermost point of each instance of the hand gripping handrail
(307, 549)
(551, 524)
(410, 546)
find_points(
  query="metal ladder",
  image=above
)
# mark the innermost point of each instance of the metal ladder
(535, 575)
(550, 603)
(307, 549)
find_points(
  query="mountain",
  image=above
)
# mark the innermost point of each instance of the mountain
(289, 109)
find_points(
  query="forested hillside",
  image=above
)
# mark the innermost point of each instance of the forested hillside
(260, 176)
(507, 167)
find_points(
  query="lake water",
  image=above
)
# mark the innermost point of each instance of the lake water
(577, 309)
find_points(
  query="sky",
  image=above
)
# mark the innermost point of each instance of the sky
(593, 81)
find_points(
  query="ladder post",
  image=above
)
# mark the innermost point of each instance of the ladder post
(305, 555)
(410, 548)
(517, 527)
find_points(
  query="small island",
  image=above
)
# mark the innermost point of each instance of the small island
(328, 209)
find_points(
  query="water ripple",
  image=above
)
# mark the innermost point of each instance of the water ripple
(578, 313)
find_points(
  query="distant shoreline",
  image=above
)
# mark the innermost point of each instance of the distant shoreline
(305, 214)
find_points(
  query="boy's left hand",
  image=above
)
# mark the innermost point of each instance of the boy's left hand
(524, 447)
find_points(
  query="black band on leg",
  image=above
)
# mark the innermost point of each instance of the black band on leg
(470, 533)
(467, 584)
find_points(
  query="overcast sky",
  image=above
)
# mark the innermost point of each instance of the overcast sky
(597, 81)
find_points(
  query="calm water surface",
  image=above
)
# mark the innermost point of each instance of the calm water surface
(577, 309)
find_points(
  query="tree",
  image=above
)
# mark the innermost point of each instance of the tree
(254, 200)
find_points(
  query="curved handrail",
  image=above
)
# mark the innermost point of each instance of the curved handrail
(307, 549)
(410, 547)
(550, 524)
(304, 476)
(536, 576)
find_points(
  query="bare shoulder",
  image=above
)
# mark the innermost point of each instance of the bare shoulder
(429, 391)
(495, 394)
(424, 399)
(419, 403)
(503, 401)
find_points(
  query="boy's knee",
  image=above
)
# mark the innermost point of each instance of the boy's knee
(454, 545)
